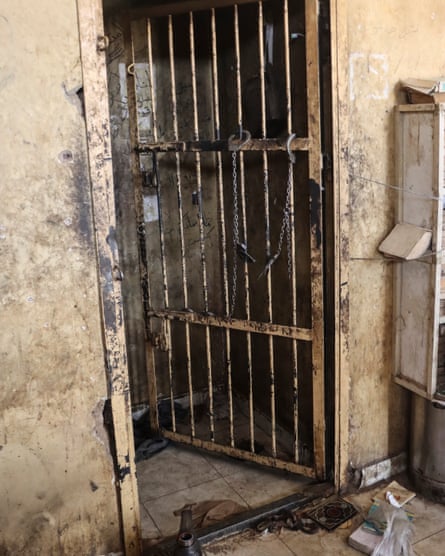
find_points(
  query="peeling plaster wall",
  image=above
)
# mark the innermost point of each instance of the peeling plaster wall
(392, 41)
(56, 474)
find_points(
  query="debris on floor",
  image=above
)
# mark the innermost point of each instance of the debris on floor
(286, 519)
(387, 529)
(332, 513)
(210, 512)
(149, 447)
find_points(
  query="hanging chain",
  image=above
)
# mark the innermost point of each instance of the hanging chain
(235, 145)
(285, 223)
(285, 228)
(235, 231)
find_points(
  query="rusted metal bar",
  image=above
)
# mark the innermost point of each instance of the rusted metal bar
(167, 330)
(201, 222)
(241, 454)
(244, 224)
(181, 7)
(256, 327)
(267, 225)
(291, 231)
(222, 225)
(171, 49)
(139, 209)
(264, 144)
(154, 122)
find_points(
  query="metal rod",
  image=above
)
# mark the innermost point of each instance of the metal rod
(239, 105)
(139, 209)
(255, 327)
(241, 454)
(267, 226)
(291, 230)
(167, 329)
(222, 225)
(151, 84)
(184, 6)
(201, 221)
(244, 223)
(171, 48)
(263, 144)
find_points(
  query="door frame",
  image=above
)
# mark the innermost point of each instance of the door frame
(93, 45)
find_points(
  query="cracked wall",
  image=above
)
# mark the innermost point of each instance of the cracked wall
(57, 480)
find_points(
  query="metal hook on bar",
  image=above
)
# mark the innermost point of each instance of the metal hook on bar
(234, 144)
(291, 154)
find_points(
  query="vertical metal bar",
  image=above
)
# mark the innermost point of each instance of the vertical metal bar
(167, 324)
(139, 207)
(154, 120)
(221, 222)
(267, 226)
(201, 221)
(244, 224)
(315, 180)
(171, 48)
(293, 278)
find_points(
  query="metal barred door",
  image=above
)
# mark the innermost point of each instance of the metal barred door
(225, 123)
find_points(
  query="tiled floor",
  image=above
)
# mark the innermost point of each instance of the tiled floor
(180, 475)
(429, 535)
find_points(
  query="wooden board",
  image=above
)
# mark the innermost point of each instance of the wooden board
(417, 283)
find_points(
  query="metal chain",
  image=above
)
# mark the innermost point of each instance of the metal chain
(285, 225)
(235, 231)
(288, 222)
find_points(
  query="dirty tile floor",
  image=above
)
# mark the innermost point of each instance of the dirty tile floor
(180, 475)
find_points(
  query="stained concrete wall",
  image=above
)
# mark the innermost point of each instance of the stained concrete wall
(380, 46)
(56, 473)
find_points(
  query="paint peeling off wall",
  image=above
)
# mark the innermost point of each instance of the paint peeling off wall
(57, 487)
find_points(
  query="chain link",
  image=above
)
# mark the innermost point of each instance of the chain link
(285, 226)
(235, 231)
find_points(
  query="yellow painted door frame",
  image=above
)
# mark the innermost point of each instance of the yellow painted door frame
(93, 45)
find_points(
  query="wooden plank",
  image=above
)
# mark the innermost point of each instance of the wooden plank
(420, 144)
(101, 175)
(269, 329)
(406, 241)
(415, 108)
(315, 182)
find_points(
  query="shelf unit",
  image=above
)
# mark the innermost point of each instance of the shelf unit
(419, 290)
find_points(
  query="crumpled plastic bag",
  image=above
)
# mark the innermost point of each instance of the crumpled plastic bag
(398, 534)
